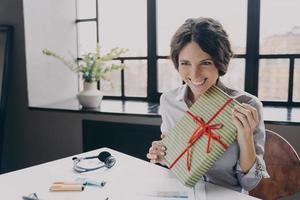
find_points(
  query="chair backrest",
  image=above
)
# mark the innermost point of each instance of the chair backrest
(283, 165)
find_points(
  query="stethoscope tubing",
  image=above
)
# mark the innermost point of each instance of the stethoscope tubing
(108, 162)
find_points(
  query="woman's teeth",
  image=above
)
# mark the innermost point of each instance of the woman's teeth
(198, 83)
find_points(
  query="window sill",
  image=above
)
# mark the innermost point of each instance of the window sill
(272, 115)
(117, 107)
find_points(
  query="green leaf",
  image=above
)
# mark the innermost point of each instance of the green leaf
(93, 66)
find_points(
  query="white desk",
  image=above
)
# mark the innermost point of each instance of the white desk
(128, 176)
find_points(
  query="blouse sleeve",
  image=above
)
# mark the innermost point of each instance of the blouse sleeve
(258, 171)
(164, 127)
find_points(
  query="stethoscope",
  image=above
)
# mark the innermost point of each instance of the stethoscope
(105, 157)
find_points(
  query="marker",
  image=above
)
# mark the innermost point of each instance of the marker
(67, 183)
(62, 187)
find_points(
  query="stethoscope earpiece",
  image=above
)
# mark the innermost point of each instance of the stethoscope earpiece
(104, 156)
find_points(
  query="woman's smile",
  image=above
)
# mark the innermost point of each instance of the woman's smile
(197, 69)
(198, 82)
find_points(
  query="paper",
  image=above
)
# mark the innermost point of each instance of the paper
(175, 191)
(199, 191)
(166, 189)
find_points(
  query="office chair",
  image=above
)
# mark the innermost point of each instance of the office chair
(283, 166)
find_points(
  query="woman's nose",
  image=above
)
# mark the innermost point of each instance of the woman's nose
(195, 72)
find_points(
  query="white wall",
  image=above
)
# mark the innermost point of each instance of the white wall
(49, 24)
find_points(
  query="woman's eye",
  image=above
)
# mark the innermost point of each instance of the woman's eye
(206, 63)
(184, 63)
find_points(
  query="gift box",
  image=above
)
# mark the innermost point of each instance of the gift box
(201, 136)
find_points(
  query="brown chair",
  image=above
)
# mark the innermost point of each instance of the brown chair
(283, 166)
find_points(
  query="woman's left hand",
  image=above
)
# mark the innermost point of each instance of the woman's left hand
(245, 119)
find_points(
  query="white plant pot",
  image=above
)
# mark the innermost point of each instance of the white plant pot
(90, 96)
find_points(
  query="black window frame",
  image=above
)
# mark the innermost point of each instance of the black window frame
(252, 57)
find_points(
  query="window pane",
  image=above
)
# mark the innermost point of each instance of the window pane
(296, 90)
(279, 115)
(87, 37)
(280, 27)
(168, 77)
(86, 9)
(112, 88)
(123, 24)
(136, 78)
(171, 14)
(273, 79)
(295, 115)
(235, 76)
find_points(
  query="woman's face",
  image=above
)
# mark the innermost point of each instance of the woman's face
(197, 69)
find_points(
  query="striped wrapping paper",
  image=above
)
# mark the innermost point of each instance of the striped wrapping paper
(177, 139)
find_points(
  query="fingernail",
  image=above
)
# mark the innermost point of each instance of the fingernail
(163, 148)
(162, 153)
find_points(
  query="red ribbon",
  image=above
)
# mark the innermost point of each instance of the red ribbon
(202, 129)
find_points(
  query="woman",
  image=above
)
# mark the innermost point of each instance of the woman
(200, 51)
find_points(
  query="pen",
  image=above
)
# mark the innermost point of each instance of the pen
(170, 196)
(32, 196)
(91, 182)
(86, 182)
(95, 183)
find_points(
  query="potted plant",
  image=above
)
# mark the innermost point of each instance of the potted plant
(93, 67)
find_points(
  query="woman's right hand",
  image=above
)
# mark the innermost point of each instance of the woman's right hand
(157, 151)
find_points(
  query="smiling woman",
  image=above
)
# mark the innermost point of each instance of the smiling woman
(201, 51)
(5, 54)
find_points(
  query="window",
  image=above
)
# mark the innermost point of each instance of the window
(235, 76)
(279, 47)
(266, 45)
(114, 24)
(180, 11)
(168, 78)
(296, 92)
(86, 25)
(273, 79)
(122, 26)
(136, 78)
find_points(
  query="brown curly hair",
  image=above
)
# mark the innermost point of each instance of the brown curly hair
(209, 35)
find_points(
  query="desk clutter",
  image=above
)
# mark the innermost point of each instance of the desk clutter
(77, 185)
(103, 159)
(130, 178)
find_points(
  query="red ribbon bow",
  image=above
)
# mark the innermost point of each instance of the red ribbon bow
(202, 129)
